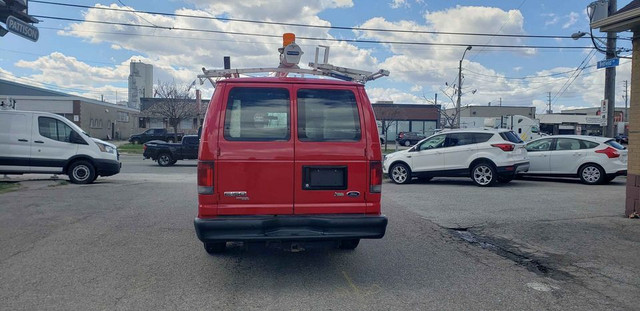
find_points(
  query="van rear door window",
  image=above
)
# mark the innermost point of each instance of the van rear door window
(257, 114)
(328, 115)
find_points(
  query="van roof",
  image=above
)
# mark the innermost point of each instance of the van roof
(289, 80)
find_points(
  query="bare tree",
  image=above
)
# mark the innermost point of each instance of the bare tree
(390, 118)
(448, 113)
(176, 104)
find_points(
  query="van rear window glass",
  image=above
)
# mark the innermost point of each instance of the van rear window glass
(328, 115)
(257, 114)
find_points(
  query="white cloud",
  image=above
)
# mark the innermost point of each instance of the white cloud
(395, 95)
(572, 19)
(395, 4)
(552, 19)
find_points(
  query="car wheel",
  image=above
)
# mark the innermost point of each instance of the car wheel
(591, 174)
(213, 248)
(165, 159)
(135, 141)
(484, 174)
(349, 244)
(400, 173)
(407, 143)
(81, 172)
(505, 179)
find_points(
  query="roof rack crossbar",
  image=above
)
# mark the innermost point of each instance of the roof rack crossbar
(326, 70)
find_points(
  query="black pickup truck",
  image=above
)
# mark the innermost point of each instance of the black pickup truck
(168, 153)
(155, 134)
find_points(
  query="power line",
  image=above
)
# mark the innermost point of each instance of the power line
(578, 71)
(227, 19)
(313, 38)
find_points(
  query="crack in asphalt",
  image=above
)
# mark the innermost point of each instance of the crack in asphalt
(505, 249)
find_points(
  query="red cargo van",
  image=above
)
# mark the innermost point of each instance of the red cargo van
(289, 159)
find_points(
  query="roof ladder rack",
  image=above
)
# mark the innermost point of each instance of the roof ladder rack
(289, 57)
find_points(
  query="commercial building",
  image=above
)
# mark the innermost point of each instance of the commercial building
(100, 119)
(395, 118)
(493, 111)
(570, 124)
(193, 115)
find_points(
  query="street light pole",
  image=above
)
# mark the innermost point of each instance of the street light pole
(460, 88)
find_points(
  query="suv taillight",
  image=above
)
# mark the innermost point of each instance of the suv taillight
(504, 147)
(610, 152)
(205, 177)
(375, 185)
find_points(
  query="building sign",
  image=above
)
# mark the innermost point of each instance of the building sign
(604, 106)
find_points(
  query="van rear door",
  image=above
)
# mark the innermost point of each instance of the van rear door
(255, 151)
(331, 175)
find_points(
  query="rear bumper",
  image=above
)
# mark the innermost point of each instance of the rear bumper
(107, 167)
(298, 228)
(517, 168)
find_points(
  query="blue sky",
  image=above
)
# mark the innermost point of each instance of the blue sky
(91, 60)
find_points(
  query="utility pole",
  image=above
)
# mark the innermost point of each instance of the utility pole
(610, 76)
(460, 88)
(626, 96)
(549, 104)
(500, 101)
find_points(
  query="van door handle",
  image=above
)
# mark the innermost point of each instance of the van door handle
(23, 140)
(38, 141)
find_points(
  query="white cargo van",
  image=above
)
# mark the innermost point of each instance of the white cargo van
(41, 142)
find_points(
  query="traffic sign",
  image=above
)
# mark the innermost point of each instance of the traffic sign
(606, 63)
(22, 29)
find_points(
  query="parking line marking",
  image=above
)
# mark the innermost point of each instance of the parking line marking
(355, 288)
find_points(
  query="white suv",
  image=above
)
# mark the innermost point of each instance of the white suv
(486, 155)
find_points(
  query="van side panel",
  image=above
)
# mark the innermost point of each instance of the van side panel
(373, 149)
(15, 141)
(208, 204)
(320, 158)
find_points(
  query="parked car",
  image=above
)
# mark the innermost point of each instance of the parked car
(409, 138)
(167, 154)
(487, 156)
(155, 134)
(622, 139)
(593, 159)
(41, 142)
(289, 159)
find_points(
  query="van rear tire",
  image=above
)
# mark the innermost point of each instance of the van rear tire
(81, 172)
(349, 244)
(213, 248)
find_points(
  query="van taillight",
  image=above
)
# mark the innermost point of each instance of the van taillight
(504, 147)
(375, 186)
(205, 177)
(610, 152)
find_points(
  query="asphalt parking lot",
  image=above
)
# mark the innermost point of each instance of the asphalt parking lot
(127, 242)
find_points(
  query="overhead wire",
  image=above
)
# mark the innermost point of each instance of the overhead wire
(228, 19)
(313, 38)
